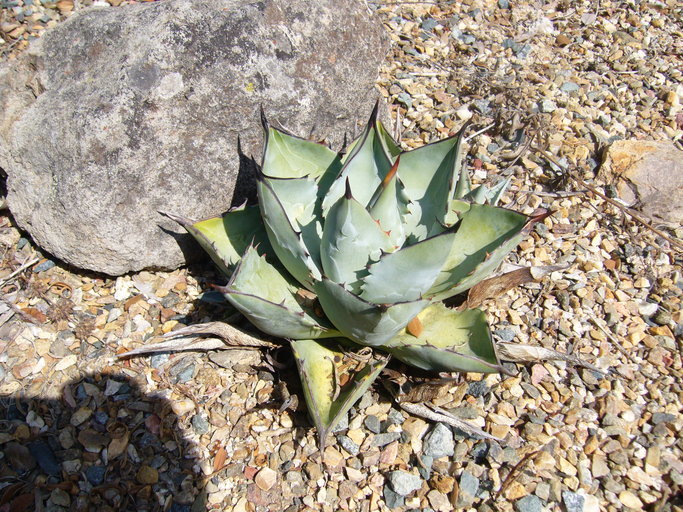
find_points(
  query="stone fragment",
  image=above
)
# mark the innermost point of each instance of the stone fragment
(392, 499)
(92, 440)
(147, 475)
(469, 486)
(385, 438)
(45, 457)
(630, 500)
(265, 479)
(529, 503)
(647, 173)
(80, 416)
(573, 501)
(439, 501)
(95, 141)
(443, 483)
(200, 423)
(348, 445)
(404, 483)
(95, 474)
(333, 458)
(439, 442)
(60, 498)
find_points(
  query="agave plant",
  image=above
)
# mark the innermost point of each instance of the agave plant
(361, 249)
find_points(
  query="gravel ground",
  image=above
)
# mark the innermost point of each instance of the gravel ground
(553, 84)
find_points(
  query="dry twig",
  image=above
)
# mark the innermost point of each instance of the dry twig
(439, 415)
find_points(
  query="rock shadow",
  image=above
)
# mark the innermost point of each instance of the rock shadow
(103, 446)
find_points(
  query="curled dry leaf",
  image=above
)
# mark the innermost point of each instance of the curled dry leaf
(177, 345)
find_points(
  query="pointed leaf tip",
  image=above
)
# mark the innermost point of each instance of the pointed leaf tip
(539, 215)
(375, 112)
(264, 120)
(183, 221)
(347, 193)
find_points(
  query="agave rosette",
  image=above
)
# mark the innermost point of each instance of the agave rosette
(361, 248)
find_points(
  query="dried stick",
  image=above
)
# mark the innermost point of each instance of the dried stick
(515, 471)
(18, 271)
(519, 353)
(612, 338)
(439, 415)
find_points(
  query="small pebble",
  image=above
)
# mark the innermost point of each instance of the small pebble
(439, 442)
(42, 267)
(45, 457)
(265, 479)
(348, 445)
(147, 475)
(393, 499)
(95, 474)
(573, 502)
(372, 423)
(200, 423)
(529, 503)
(403, 483)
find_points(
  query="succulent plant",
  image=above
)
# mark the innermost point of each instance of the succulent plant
(361, 249)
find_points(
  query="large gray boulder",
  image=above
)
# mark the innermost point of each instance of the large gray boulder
(121, 112)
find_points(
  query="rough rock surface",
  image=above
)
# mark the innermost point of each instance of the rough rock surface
(119, 113)
(647, 174)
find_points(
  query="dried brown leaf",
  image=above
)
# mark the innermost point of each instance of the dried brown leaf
(34, 315)
(498, 285)
(219, 459)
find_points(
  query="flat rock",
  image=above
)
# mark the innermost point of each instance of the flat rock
(439, 442)
(648, 175)
(403, 483)
(118, 113)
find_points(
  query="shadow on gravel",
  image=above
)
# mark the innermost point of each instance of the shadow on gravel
(103, 446)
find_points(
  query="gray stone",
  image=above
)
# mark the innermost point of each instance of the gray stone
(505, 334)
(95, 474)
(569, 87)
(184, 374)
(115, 114)
(424, 466)
(529, 503)
(439, 442)
(573, 502)
(372, 423)
(343, 424)
(392, 499)
(200, 423)
(395, 417)
(469, 484)
(547, 106)
(385, 438)
(348, 445)
(663, 417)
(158, 360)
(403, 483)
